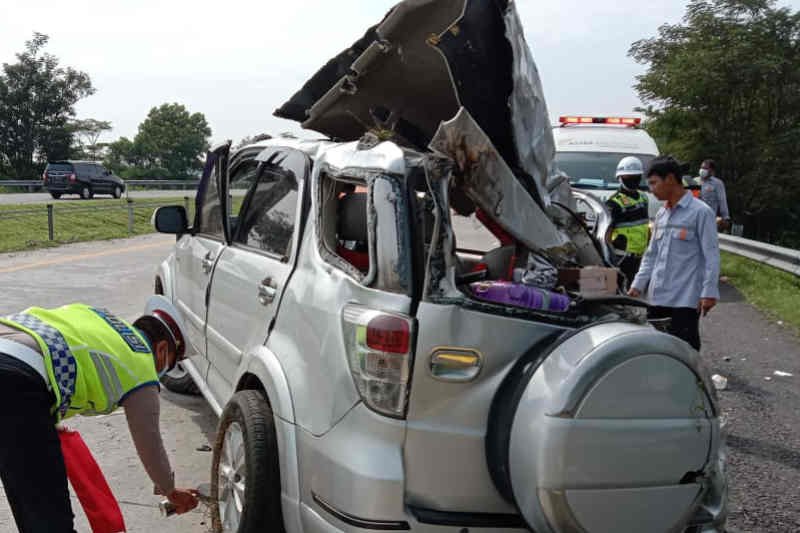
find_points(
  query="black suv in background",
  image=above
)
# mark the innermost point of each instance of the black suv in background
(81, 177)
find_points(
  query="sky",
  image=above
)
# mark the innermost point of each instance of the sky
(237, 61)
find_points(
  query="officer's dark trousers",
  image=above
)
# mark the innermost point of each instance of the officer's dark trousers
(31, 465)
(685, 323)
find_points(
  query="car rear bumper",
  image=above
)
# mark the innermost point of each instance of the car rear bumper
(364, 453)
(67, 188)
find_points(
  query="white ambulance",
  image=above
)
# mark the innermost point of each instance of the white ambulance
(589, 148)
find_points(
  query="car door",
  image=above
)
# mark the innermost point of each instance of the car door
(102, 181)
(252, 272)
(197, 252)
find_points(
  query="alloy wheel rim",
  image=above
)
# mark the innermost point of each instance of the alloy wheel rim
(232, 478)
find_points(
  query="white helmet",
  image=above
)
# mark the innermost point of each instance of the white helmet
(630, 166)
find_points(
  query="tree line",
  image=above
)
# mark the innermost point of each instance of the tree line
(725, 84)
(38, 124)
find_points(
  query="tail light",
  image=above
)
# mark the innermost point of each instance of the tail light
(380, 355)
(44, 177)
(72, 177)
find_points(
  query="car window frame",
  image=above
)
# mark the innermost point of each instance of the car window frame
(264, 156)
(217, 158)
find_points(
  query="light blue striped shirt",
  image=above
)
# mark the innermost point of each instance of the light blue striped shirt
(681, 265)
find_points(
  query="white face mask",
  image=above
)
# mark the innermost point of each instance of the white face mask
(704, 173)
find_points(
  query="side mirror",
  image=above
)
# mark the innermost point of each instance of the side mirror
(171, 219)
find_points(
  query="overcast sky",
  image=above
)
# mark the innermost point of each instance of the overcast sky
(237, 61)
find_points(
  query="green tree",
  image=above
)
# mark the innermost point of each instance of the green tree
(37, 99)
(121, 154)
(86, 136)
(173, 139)
(725, 84)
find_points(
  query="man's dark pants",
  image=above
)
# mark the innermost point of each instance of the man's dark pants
(685, 322)
(31, 465)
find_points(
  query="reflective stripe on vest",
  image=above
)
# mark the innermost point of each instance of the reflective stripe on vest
(93, 358)
(64, 366)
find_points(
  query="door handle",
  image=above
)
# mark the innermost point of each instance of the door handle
(267, 291)
(207, 263)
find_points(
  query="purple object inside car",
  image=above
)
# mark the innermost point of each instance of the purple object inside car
(520, 295)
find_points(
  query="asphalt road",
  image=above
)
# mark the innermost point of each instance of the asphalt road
(762, 412)
(763, 415)
(43, 197)
(117, 275)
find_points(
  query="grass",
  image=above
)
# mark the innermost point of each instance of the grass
(24, 227)
(775, 292)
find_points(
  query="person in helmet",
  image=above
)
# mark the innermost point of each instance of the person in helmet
(78, 359)
(630, 230)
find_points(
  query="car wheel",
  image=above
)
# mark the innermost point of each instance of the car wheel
(86, 192)
(55, 195)
(117, 192)
(179, 380)
(245, 474)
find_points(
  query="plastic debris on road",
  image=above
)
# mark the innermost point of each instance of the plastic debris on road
(720, 382)
(782, 374)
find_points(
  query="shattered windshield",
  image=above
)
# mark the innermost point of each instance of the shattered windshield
(593, 170)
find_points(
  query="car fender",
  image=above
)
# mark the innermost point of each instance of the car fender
(165, 272)
(262, 363)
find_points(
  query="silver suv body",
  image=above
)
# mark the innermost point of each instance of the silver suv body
(331, 291)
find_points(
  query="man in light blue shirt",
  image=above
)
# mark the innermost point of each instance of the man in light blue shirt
(712, 192)
(680, 270)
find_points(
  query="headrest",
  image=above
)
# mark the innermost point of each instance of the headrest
(352, 217)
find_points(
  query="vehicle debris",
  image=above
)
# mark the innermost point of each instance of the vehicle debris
(782, 374)
(720, 382)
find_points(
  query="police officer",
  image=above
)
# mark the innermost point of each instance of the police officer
(78, 359)
(630, 230)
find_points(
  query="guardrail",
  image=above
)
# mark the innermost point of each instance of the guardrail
(53, 212)
(36, 184)
(778, 257)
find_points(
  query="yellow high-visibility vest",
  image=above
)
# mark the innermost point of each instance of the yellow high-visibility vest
(634, 222)
(93, 359)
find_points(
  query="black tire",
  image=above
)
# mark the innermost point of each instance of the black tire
(248, 413)
(86, 192)
(55, 195)
(117, 192)
(180, 381)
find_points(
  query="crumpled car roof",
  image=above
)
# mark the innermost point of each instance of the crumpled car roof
(420, 66)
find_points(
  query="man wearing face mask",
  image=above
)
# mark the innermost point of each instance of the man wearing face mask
(712, 192)
(630, 230)
(77, 359)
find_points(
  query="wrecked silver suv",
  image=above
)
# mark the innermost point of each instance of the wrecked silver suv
(408, 328)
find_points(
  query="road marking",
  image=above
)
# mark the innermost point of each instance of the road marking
(72, 258)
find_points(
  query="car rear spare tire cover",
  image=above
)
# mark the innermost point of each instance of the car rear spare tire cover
(615, 431)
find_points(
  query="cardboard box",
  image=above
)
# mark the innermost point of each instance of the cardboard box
(590, 281)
